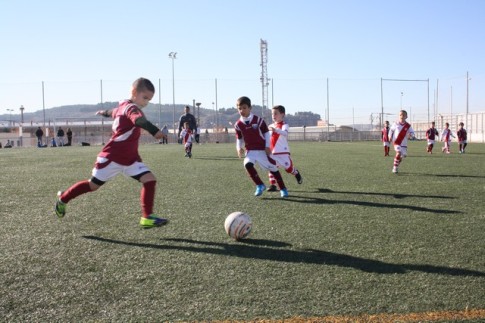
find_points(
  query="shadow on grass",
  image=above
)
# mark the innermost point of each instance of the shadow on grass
(447, 175)
(258, 249)
(397, 196)
(317, 200)
(215, 158)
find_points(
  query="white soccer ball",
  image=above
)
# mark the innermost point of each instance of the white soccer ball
(238, 225)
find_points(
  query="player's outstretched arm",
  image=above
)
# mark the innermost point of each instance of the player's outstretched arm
(104, 113)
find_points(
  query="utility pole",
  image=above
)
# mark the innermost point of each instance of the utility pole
(264, 75)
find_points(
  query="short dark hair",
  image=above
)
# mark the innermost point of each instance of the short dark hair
(143, 84)
(244, 100)
(280, 108)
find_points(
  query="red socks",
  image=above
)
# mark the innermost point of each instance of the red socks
(75, 190)
(147, 196)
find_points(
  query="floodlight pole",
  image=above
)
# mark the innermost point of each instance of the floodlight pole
(173, 56)
(382, 106)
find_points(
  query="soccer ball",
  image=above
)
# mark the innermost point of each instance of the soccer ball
(238, 225)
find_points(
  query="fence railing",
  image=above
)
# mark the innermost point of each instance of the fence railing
(95, 133)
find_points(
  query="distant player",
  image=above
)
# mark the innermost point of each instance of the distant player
(186, 136)
(253, 133)
(399, 133)
(446, 138)
(462, 138)
(385, 138)
(279, 147)
(431, 135)
(120, 154)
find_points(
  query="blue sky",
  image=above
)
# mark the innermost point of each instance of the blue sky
(72, 45)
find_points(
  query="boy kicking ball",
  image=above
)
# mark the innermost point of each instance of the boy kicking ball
(120, 155)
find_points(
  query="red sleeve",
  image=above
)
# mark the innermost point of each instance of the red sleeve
(134, 113)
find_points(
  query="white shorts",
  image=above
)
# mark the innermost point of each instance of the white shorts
(430, 142)
(462, 142)
(385, 143)
(283, 160)
(104, 170)
(259, 157)
(402, 150)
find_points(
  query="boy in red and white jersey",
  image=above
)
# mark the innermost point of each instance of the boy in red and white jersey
(399, 133)
(462, 138)
(446, 138)
(120, 154)
(431, 135)
(279, 146)
(253, 133)
(186, 135)
(385, 138)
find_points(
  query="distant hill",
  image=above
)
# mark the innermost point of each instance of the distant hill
(154, 113)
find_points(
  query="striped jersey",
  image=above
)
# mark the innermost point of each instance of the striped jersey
(279, 138)
(399, 133)
(186, 136)
(446, 135)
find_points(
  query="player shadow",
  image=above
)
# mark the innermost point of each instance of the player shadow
(448, 175)
(215, 158)
(318, 200)
(258, 249)
(394, 195)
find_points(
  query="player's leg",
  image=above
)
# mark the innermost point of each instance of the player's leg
(397, 159)
(294, 171)
(249, 162)
(103, 170)
(147, 196)
(272, 183)
(269, 164)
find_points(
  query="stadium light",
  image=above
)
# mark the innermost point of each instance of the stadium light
(173, 56)
(467, 79)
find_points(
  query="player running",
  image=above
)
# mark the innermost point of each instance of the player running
(399, 133)
(279, 147)
(253, 133)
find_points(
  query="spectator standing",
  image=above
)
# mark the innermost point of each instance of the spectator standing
(197, 134)
(39, 133)
(60, 137)
(69, 136)
(165, 135)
